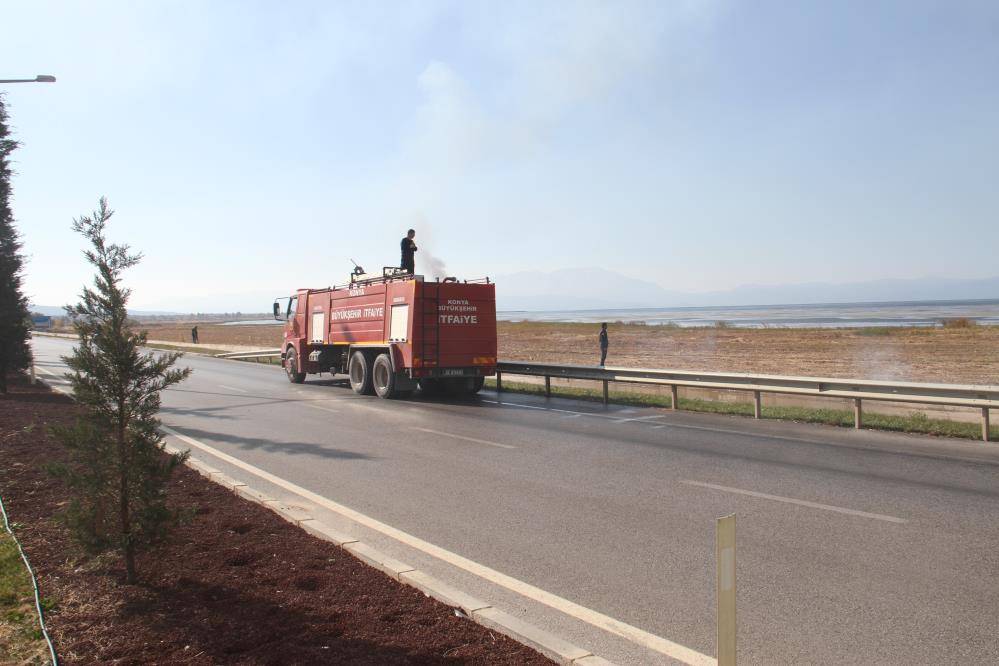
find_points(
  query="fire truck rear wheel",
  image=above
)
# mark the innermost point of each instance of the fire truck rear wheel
(383, 378)
(291, 367)
(359, 371)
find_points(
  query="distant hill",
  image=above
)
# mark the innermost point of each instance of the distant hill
(600, 289)
(596, 288)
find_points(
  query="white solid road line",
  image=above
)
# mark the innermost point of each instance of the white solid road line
(233, 388)
(595, 618)
(325, 409)
(467, 439)
(790, 500)
(641, 418)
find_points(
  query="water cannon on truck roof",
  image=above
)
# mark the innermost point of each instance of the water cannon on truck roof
(392, 333)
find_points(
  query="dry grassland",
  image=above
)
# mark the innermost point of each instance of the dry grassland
(952, 355)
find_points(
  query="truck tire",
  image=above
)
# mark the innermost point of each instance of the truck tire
(359, 371)
(383, 378)
(291, 367)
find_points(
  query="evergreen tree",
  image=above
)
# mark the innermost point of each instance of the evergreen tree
(15, 353)
(118, 469)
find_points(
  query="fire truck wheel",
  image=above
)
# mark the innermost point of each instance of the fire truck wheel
(359, 370)
(291, 367)
(383, 377)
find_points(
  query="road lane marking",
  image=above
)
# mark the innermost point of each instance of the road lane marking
(60, 378)
(550, 409)
(763, 435)
(595, 618)
(790, 500)
(467, 439)
(641, 418)
(233, 388)
(325, 409)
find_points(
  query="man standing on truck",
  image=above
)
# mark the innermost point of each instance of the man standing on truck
(408, 252)
(603, 344)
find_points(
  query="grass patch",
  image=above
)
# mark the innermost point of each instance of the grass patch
(960, 322)
(21, 639)
(875, 331)
(911, 423)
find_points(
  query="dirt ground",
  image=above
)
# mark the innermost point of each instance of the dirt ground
(235, 585)
(949, 355)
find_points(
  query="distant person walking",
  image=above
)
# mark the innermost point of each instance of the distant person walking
(408, 247)
(194, 335)
(603, 344)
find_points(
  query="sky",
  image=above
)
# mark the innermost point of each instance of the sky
(251, 148)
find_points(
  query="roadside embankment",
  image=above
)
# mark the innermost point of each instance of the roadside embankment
(234, 584)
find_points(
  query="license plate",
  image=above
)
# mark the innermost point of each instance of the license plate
(452, 372)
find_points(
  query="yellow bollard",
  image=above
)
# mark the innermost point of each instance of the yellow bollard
(725, 579)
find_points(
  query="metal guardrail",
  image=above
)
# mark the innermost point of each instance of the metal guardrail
(261, 353)
(981, 397)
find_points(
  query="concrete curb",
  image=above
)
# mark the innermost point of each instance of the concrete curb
(478, 611)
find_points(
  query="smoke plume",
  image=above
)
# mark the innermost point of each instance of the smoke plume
(427, 262)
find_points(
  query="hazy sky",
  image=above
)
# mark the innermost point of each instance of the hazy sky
(253, 147)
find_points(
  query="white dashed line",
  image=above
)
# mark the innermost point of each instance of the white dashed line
(467, 439)
(790, 500)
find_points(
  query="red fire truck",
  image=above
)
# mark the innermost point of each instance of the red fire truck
(392, 333)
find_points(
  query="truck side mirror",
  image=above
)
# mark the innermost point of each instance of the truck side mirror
(277, 310)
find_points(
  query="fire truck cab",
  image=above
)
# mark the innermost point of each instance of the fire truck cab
(393, 333)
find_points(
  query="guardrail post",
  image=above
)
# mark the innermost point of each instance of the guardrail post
(985, 424)
(858, 414)
(33, 374)
(674, 397)
(548, 386)
(757, 409)
(725, 582)
(606, 393)
(499, 381)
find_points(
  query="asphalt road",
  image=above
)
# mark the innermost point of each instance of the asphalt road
(853, 547)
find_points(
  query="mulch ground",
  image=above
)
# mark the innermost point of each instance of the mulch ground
(236, 584)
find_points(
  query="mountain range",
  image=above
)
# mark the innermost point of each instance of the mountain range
(600, 289)
(596, 288)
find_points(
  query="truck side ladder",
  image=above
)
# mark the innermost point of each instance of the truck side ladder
(430, 341)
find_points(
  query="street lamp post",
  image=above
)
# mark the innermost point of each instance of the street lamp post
(41, 78)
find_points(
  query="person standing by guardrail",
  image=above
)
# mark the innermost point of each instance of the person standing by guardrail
(603, 343)
(194, 335)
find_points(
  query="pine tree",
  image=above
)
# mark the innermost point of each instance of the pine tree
(118, 469)
(15, 353)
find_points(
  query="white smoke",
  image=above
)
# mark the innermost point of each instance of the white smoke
(427, 262)
(432, 266)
